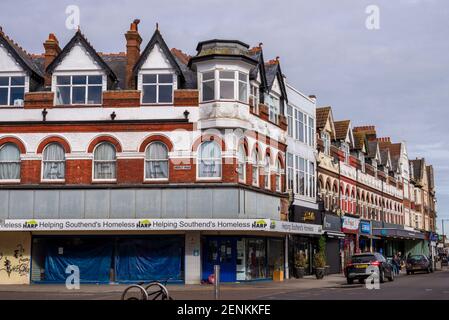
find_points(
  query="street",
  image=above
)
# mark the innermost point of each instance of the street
(433, 286)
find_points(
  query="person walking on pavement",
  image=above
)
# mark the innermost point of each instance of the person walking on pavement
(395, 264)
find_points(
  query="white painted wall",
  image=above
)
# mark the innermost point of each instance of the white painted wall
(193, 258)
(7, 62)
(78, 59)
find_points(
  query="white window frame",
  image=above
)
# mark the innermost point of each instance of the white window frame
(345, 149)
(255, 95)
(311, 131)
(25, 85)
(290, 121)
(103, 86)
(274, 107)
(325, 136)
(198, 161)
(157, 84)
(19, 162)
(241, 151)
(267, 171)
(255, 168)
(297, 115)
(158, 160)
(213, 80)
(93, 163)
(45, 161)
(290, 171)
(278, 176)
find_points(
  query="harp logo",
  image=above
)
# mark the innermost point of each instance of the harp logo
(30, 224)
(260, 224)
(144, 224)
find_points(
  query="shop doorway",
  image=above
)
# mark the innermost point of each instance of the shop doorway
(220, 251)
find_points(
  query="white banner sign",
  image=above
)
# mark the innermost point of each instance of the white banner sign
(134, 224)
(297, 228)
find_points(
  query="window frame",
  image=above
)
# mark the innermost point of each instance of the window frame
(217, 85)
(157, 73)
(241, 147)
(278, 180)
(254, 93)
(9, 87)
(255, 159)
(158, 160)
(93, 163)
(47, 161)
(198, 162)
(267, 167)
(55, 87)
(19, 162)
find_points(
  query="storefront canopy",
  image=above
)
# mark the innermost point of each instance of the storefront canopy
(398, 233)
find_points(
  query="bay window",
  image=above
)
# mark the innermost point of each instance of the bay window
(157, 88)
(105, 162)
(156, 161)
(208, 86)
(242, 163)
(78, 90)
(9, 162)
(209, 159)
(227, 79)
(53, 162)
(231, 85)
(12, 91)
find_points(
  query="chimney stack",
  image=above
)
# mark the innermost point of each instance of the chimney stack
(133, 41)
(52, 50)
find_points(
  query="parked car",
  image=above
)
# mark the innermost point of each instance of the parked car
(418, 262)
(362, 265)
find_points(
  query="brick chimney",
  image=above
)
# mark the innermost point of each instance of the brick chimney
(52, 50)
(133, 41)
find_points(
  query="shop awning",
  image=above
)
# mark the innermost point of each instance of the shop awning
(398, 233)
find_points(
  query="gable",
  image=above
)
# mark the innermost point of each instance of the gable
(78, 59)
(276, 87)
(7, 62)
(157, 59)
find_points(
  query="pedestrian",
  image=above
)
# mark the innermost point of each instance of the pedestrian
(394, 262)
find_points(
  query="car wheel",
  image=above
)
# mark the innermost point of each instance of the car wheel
(391, 278)
(350, 281)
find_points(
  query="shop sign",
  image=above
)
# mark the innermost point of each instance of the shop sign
(134, 224)
(365, 227)
(295, 227)
(350, 224)
(332, 222)
(306, 215)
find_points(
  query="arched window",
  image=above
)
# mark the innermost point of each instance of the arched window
(255, 168)
(53, 163)
(156, 161)
(105, 162)
(209, 159)
(241, 163)
(9, 162)
(267, 172)
(278, 176)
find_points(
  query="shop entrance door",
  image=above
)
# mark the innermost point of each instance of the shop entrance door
(221, 251)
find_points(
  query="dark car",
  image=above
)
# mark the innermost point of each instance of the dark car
(418, 262)
(363, 265)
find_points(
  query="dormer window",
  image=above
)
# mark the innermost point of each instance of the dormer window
(79, 90)
(157, 88)
(12, 91)
(345, 149)
(224, 85)
(273, 104)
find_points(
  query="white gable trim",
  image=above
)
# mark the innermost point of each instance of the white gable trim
(78, 59)
(8, 63)
(156, 59)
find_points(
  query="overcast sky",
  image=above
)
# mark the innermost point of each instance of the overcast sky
(396, 78)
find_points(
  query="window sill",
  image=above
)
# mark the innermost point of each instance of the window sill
(78, 105)
(104, 181)
(155, 180)
(56, 181)
(165, 104)
(12, 181)
(214, 179)
(224, 100)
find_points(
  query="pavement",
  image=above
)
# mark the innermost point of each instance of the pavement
(334, 287)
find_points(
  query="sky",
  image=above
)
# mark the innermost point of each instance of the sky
(395, 77)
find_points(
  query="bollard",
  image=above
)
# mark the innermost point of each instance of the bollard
(217, 281)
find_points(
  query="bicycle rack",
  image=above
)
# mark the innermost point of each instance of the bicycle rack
(152, 291)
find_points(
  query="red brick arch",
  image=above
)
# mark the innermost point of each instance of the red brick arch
(153, 138)
(243, 141)
(209, 137)
(101, 139)
(54, 139)
(281, 160)
(14, 141)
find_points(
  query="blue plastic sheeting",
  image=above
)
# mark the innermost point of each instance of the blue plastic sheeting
(148, 259)
(93, 258)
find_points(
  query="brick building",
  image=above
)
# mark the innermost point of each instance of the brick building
(142, 165)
